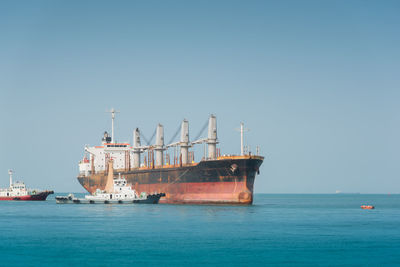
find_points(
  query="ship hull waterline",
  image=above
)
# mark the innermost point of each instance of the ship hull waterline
(221, 181)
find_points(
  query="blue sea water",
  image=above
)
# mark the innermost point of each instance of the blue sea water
(281, 230)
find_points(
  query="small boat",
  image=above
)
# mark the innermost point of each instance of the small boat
(367, 207)
(122, 193)
(18, 191)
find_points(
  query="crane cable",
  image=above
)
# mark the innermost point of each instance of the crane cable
(202, 130)
(148, 141)
(175, 135)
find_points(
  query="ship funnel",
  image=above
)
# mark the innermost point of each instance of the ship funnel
(136, 148)
(159, 147)
(184, 141)
(212, 137)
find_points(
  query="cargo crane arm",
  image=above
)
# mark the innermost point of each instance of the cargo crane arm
(200, 141)
(173, 144)
(143, 148)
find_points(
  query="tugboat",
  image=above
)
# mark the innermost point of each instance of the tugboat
(18, 191)
(117, 191)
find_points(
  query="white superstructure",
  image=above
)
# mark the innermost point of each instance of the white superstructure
(16, 189)
(99, 156)
(122, 154)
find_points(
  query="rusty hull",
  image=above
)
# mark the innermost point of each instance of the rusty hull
(226, 180)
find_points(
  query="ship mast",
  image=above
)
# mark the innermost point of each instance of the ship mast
(10, 172)
(112, 111)
(242, 130)
(241, 138)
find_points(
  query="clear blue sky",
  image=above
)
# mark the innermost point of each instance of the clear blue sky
(317, 83)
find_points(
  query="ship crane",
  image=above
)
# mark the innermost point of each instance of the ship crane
(211, 139)
(198, 141)
(137, 148)
(183, 143)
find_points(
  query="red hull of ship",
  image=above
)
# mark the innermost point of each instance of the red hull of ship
(38, 197)
(198, 193)
(202, 193)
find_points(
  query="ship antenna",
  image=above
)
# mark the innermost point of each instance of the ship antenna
(10, 172)
(112, 111)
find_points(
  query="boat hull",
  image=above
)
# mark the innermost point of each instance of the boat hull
(151, 199)
(41, 196)
(227, 180)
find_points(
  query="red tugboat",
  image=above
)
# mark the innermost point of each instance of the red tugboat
(367, 207)
(18, 191)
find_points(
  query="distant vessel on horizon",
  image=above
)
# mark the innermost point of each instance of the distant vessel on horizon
(18, 191)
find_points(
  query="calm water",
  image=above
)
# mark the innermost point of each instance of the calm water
(276, 230)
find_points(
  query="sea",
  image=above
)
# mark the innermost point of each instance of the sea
(277, 230)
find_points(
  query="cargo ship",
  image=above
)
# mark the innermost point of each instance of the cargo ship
(18, 191)
(215, 179)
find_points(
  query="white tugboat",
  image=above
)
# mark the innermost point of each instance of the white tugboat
(117, 191)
